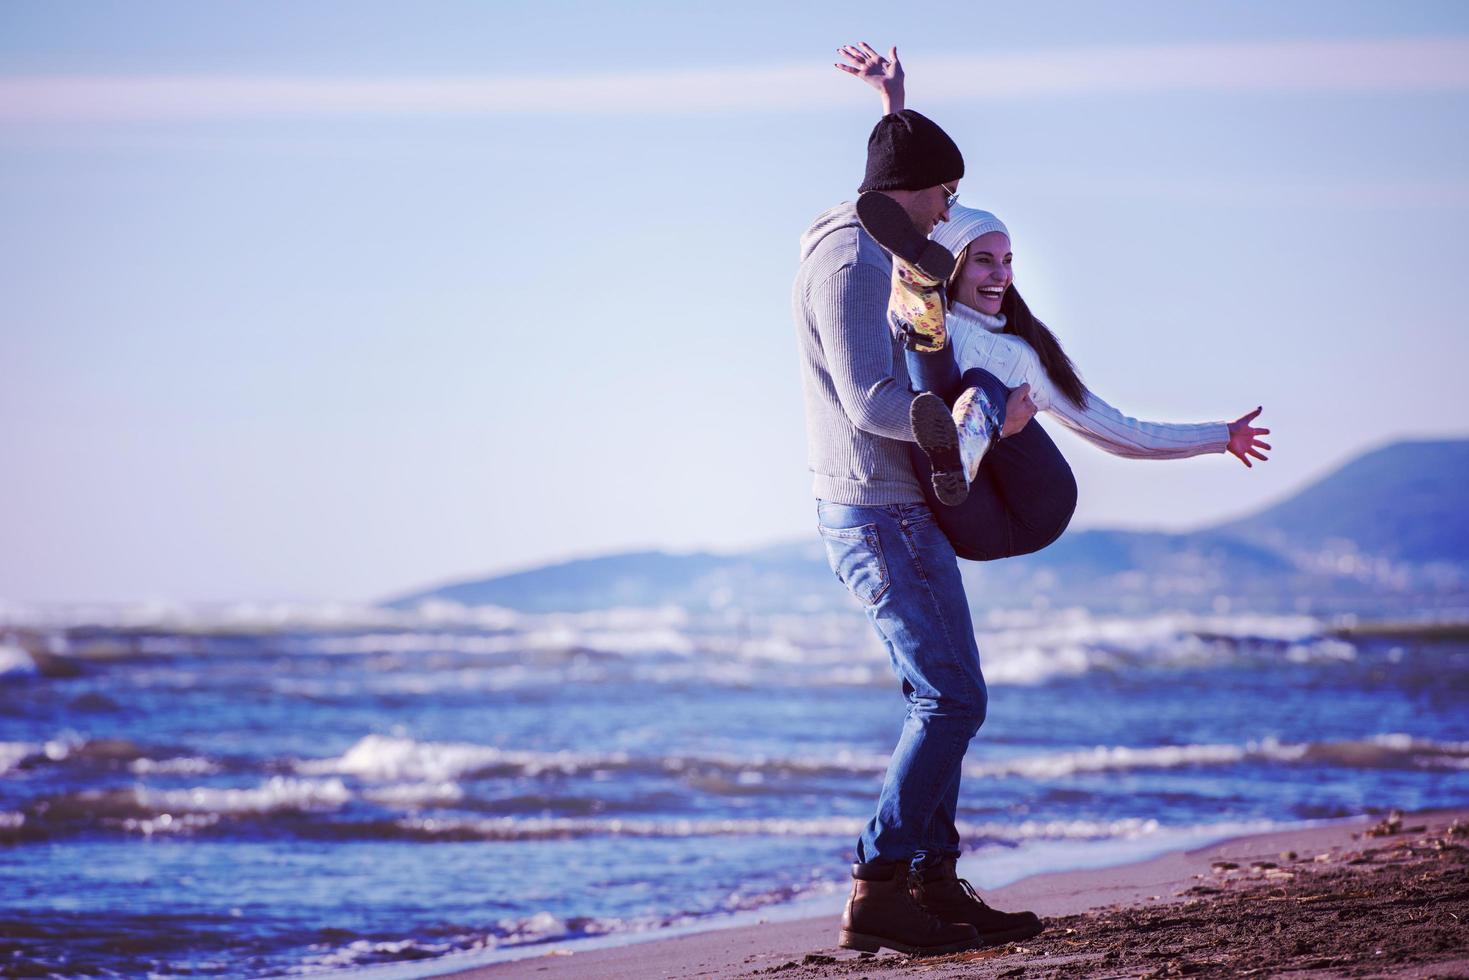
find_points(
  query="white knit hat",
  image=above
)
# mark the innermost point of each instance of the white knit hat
(964, 226)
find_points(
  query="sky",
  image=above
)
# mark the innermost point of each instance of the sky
(340, 300)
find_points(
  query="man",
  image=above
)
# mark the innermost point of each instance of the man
(885, 546)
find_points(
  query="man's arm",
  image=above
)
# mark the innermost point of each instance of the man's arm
(850, 309)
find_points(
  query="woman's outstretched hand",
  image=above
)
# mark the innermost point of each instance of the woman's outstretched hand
(1242, 441)
(883, 73)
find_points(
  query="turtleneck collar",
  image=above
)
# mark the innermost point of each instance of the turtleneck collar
(994, 324)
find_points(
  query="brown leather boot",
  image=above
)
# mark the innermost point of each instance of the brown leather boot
(881, 912)
(943, 893)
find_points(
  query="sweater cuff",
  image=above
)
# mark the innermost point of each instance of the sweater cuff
(1220, 442)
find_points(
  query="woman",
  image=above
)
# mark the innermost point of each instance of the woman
(1002, 365)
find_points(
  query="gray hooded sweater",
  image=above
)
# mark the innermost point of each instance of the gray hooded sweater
(852, 368)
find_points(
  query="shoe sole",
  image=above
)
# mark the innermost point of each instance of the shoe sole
(871, 944)
(889, 225)
(933, 428)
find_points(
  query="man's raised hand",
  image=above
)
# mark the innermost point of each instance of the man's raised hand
(883, 73)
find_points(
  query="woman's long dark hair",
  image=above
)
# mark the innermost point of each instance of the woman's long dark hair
(1023, 324)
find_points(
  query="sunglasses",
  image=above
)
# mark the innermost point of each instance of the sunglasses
(953, 196)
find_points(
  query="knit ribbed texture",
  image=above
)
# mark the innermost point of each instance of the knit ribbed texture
(964, 226)
(852, 368)
(909, 151)
(979, 342)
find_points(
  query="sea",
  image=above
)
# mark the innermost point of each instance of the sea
(286, 789)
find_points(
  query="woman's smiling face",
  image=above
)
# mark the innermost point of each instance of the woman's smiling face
(986, 274)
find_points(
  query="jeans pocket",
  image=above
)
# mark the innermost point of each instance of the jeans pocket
(855, 554)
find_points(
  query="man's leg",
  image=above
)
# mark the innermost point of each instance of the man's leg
(942, 841)
(898, 564)
(923, 616)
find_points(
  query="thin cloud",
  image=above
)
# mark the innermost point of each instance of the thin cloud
(1323, 67)
(1324, 193)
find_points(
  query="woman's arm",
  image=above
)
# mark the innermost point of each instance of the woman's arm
(1122, 435)
(1015, 362)
(883, 74)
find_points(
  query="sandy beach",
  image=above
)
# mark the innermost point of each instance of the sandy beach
(1360, 897)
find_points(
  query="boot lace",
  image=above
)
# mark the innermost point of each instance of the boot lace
(969, 890)
(963, 885)
(906, 891)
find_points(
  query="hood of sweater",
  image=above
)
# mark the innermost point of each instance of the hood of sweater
(839, 218)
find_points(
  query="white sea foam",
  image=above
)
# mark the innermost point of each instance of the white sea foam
(412, 795)
(189, 765)
(1032, 649)
(387, 758)
(554, 828)
(730, 647)
(13, 753)
(276, 794)
(1017, 647)
(15, 662)
(1392, 750)
(383, 758)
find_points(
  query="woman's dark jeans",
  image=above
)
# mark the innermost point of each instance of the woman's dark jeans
(1025, 493)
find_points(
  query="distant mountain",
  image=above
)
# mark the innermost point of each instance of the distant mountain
(1386, 531)
(1404, 502)
(647, 578)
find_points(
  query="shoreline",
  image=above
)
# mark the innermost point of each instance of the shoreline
(798, 939)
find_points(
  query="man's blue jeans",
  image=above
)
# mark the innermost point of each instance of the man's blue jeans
(898, 563)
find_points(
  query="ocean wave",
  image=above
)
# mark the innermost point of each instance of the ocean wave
(525, 828)
(277, 794)
(387, 759)
(671, 645)
(398, 788)
(405, 771)
(415, 795)
(1017, 649)
(105, 753)
(541, 927)
(13, 754)
(1033, 649)
(535, 929)
(149, 811)
(1388, 751)
(16, 662)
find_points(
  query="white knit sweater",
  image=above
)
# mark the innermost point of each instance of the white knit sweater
(979, 342)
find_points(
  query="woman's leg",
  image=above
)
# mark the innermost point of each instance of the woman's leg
(1020, 503)
(1028, 472)
(954, 432)
(934, 371)
(956, 418)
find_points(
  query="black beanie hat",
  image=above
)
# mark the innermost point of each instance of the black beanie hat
(907, 151)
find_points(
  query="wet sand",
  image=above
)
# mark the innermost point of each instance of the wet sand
(1361, 897)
